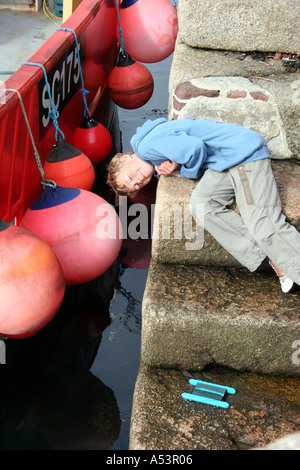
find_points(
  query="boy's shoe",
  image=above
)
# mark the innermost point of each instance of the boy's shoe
(287, 284)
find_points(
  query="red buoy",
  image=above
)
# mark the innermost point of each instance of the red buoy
(32, 284)
(93, 139)
(130, 83)
(69, 167)
(149, 29)
(83, 230)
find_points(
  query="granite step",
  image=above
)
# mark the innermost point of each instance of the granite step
(202, 311)
(197, 316)
(263, 412)
(177, 239)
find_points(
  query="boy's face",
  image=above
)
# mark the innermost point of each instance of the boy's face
(135, 173)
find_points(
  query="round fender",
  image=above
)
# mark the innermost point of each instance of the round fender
(32, 284)
(82, 228)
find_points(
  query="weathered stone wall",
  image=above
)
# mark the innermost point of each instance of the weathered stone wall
(200, 308)
(261, 94)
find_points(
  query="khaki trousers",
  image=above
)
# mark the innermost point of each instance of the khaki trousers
(261, 229)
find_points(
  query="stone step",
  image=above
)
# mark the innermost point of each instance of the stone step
(264, 411)
(176, 239)
(249, 25)
(194, 317)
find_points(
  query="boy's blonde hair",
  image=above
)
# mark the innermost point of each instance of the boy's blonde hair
(114, 169)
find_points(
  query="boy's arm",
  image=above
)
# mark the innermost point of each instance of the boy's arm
(168, 168)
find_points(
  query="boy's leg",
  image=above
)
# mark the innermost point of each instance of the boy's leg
(260, 207)
(213, 194)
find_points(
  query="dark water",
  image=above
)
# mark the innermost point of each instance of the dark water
(121, 340)
(71, 385)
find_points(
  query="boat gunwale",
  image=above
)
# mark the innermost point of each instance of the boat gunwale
(25, 78)
(16, 197)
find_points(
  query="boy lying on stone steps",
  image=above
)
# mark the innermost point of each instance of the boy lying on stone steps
(232, 163)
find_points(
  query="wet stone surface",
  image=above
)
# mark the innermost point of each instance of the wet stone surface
(264, 409)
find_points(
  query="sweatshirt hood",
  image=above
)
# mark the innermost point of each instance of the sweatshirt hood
(144, 130)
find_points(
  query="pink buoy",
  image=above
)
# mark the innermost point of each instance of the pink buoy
(83, 230)
(149, 29)
(32, 284)
(93, 139)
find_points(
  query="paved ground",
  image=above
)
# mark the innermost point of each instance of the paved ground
(21, 35)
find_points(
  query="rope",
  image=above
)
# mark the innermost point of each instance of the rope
(48, 12)
(7, 72)
(84, 92)
(48, 183)
(120, 31)
(52, 113)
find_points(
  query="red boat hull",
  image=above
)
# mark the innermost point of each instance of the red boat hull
(94, 23)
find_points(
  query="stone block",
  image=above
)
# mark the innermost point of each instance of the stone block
(236, 100)
(176, 239)
(214, 70)
(240, 25)
(194, 317)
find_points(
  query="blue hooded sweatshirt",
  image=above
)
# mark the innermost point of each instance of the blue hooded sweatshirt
(197, 144)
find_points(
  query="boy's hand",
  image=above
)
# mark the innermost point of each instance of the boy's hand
(167, 168)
